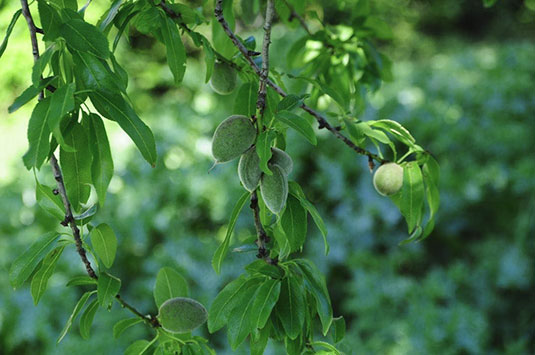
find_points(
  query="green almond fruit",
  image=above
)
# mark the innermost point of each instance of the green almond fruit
(282, 159)
(232, 138)
(388, 179)
(181, 315)
(274, 189)
(223, 80)
(249, 170)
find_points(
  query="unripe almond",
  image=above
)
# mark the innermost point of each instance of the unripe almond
(232, 138)
(249, 169)
(282, 159)
(388, 179)
(274, 189)
(181, 315)
(223, 80)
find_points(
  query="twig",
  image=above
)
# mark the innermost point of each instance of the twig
(263, 238)
(264, 73)
(294, 14)
(322, 121)
(69, 218)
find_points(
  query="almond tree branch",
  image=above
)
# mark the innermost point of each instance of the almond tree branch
(69, 218)
(294, 14)
(263, 238)
(322, 121)
(264, 73)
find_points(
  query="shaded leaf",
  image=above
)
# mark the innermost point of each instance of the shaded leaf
(104, 243)
(176, 53)
(40, 279)
(291, 306)
(79, 305)
(61, 103)
(169, 284)
(412, 195)
(86, 320)
(124, 324)
(263, 149)
(300, 124)
(245, 103)
(264, 301)
(294, 223)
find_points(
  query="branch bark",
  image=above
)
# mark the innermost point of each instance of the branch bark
(264, 73)
(263, 238)
(294, 14)
(56, 170)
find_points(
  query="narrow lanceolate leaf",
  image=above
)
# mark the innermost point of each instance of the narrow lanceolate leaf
(104, 243)
(124, 324)
(431, 174)
(291, 306)
(40, 279)
(84, 37)
(412, 195)
(176, 53)
(14, 19)
(28, 94)
(40, 65)
(65, 4)
(48, 201)
(263, 149)
(289, 103)
(265, 299)
(138, 347)
(79, 305)
(38, 135)
(50, 20)
(209, 58)
(114, 107)
(315, 283)
(108, 287)
(94, 73)
(24, 265)
(86, 320)
(169, 284)
(245, 103)
(294, 223)
(102, 165)
(81, 281)
(222, 250)
(240, 320)
(300, 124)
(76, 166)
(61, 103)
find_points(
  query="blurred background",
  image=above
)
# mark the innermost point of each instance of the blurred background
(464, 85)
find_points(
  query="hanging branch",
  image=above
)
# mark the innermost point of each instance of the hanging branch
(69, 218)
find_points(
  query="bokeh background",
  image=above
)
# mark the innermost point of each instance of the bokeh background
(464, 85)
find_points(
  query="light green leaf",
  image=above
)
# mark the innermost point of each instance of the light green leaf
(264, 301)
(209, 58)
(40, 65)
(84, 37)
(138, 347)
(104, 243)
(176, 53)
(115, 108)
(396, 129)
(240, 320)
(38, 135)
(124, 324)
(81, 281)
(431, 175)
(29, 94)
(14, 19)
(102, 164)
(245, 103)
(263, 149)
(261, 267)
(24, 265)
(412, 195)
(222, 250)
(86, 320)
(108, 287)
(300, 124)
(79, 305)
(294, 223)
(48, 201)
(110, 15)
(61, 103)
(40, 279)
(339, 329)
(169, 284)
(291, 306)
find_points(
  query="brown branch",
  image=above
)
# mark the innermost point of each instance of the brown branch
(263, 238)
(264, 73)
(322, 121)
(69, 218)
(294, 14)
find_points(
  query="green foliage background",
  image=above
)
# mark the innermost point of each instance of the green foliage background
(463, 85)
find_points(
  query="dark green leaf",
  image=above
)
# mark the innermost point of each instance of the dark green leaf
(240, 320)
(264, 301)
(50, 20)
(86, 320)
(339, 329)
(24, 265)
(108, 286)
(38, 135)
(81, 281)
(124, 324)
(261, 267)
(102, 164)
(120, 73)
(40, 279)
(222, 250)
(294, 223)
(260, 337)
(48, 201)
(289, 103)
(137, 348)
(431, 175)
(176, 53)
(84, 37)
(40, 65)
(114, 107)
(14, 19)
(65, 4)
(169, 284)
(104, 243)
(79, 305)
(291, 306)
(263, 149)
(300, 124)
(29, 94)
(412, 195)
(94, 73)
(489, 3)
(245, 103)
(61, 103)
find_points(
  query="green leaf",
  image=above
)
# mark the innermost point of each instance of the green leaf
(169, 284)
(291, 306)
(339, 329)
(61, 103)
(138, 347)
(24, 265)
(264, 301)
(412, 195)
(245, 103)
(296, 191)
(102, 164)
(81, 281)
(431, 175)
(120, 73)
(263, 149)
(48, 201)
(14, 19)
(176, 53)
(65, 4)
(396, 129)
(86, 320)
(84, 37)
(209, 58)
(300, 124)
(315, 283)
(261, 267)
(40, 279)
(94, 73)
(294, 223)
(260, 337)
(104, 243)
(79, 305)
(289, 102)
(124, 324)
(76, 166)
(110, 15)
(29, 94)
(38, 135)
(240, 320)
(114, 107)
(222, 250)
(108, 287)
(489, 3)
(40, 65)
(227, 299)
(50, 20)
